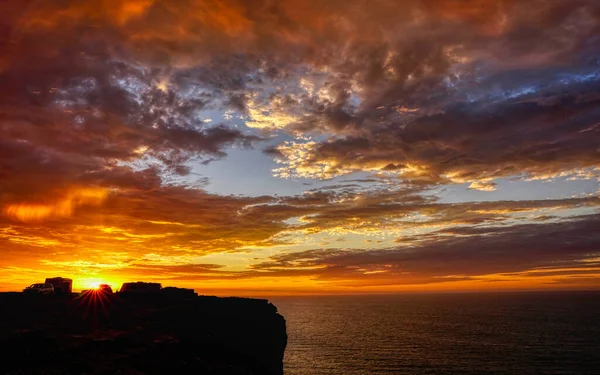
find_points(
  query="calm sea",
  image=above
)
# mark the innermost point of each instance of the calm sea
(503, 333)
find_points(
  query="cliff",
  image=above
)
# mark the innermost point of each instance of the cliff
(102, 333)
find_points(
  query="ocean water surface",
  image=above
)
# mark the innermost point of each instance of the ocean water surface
(495, 333)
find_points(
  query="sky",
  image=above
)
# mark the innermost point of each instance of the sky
(301, 147)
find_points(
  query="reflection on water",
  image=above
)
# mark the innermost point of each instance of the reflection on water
(505, 333)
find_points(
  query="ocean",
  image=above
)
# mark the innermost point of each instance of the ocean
(495, 333)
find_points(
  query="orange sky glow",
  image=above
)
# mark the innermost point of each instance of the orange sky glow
(300, 147)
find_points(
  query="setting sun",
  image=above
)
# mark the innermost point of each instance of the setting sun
(92, 284)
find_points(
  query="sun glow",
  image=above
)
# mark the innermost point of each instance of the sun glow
(92, 284)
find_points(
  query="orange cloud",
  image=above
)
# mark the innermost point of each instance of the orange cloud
(62, 208)
(132, 9)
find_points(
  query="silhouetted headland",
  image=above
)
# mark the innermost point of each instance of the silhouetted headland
(161, 331)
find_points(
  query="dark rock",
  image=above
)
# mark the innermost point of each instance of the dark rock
(101, 333)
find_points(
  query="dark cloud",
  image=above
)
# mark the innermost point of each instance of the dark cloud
(406, 208)
(469, 144)
(494, 250)
(108, 78)
(464, 101)
(75, 91)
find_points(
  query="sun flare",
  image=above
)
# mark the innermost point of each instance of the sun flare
(92, 284)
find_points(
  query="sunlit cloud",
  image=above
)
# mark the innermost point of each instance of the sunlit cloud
(63, 208)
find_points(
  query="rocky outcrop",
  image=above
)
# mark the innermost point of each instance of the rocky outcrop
(100, 333)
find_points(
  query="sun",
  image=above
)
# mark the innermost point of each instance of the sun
(92, 284)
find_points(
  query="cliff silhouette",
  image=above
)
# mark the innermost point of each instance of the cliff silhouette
(161, 333)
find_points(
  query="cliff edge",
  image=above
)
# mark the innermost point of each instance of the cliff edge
(99, 333)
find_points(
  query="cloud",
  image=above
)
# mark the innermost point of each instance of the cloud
(422, 87)
(64, 207)
(74, 87)
(446, 108)
(106, 108)
(483, 185)
(491, 251)
(149, 230)
(476, 145)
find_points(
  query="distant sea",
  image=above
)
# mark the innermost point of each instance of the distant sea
(501, 333)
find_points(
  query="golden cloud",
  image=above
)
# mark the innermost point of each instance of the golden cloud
(63, 208)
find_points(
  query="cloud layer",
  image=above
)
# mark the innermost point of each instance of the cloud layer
(107, 108)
